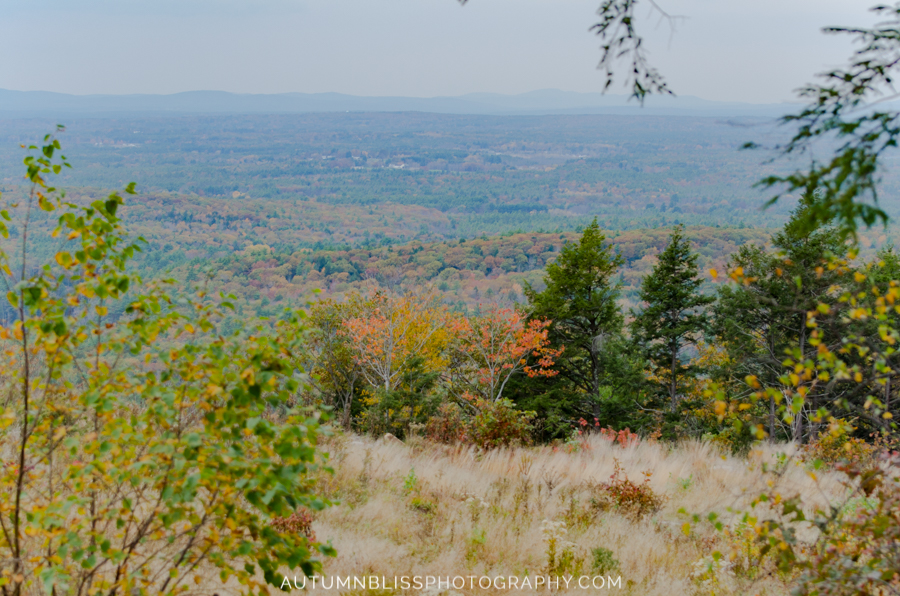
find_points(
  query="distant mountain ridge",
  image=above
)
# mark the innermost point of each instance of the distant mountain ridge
(542, 102)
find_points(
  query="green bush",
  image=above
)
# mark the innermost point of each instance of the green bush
(500, 424)
(603, 560)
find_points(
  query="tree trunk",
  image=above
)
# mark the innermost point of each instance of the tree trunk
(673, 387)
(772, 420)
(798, 427)
(595, 381)
(348, 402)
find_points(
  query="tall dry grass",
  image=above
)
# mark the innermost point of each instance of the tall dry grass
(434, 510)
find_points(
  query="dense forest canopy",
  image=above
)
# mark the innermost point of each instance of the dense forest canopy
(489, 174)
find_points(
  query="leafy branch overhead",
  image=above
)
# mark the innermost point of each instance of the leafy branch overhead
(620, 41)
(843, 109)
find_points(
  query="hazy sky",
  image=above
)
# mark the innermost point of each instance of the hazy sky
(741, 50)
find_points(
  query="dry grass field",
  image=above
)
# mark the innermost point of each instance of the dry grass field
(417, 508)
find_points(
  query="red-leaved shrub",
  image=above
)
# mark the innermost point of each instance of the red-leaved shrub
(299, 522)
(625, 438)
(629, 498)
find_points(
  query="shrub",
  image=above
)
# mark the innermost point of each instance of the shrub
(625, 438)
(448, 426)
(834, 446)
(494, 424)
(298, 523)
(500, 424)
(856, 552)
(563, 558)
(630, 498)
(603, 560)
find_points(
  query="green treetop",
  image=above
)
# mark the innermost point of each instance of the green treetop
(673, 317)
(580, 300)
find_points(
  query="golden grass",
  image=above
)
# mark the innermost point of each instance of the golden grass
(432, 510)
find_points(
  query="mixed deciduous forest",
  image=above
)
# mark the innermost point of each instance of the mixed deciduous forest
(281, 205)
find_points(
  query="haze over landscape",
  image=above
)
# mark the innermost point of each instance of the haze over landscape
(411, 48)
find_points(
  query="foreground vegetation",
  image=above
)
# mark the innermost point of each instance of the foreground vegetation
(421, 508)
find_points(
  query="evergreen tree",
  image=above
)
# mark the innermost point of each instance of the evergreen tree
(580, 300)
(674, 315)
(760, 319)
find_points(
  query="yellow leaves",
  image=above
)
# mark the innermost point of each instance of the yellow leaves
(859, 313)
(686, 529)
(101, 311)
(859, 277)
(721, 409)
(189, 328)
(85, 290)
(64, 259)
(73, 235)
(213, 389)
(887, 415)
(713, 274)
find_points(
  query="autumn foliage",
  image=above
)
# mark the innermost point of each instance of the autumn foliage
(421, 365)
(489, 348)
(387, 332)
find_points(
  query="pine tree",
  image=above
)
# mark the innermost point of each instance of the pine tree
(674, 315)
(759, 320)
(580, 300)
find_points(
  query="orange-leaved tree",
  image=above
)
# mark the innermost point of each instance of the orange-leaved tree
(492, 346)
(389, 333)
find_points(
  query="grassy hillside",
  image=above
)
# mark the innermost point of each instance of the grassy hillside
(423, 509)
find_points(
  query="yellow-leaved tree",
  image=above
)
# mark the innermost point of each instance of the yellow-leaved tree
(143, 453)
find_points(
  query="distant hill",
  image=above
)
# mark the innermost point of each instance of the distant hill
(543, 102)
